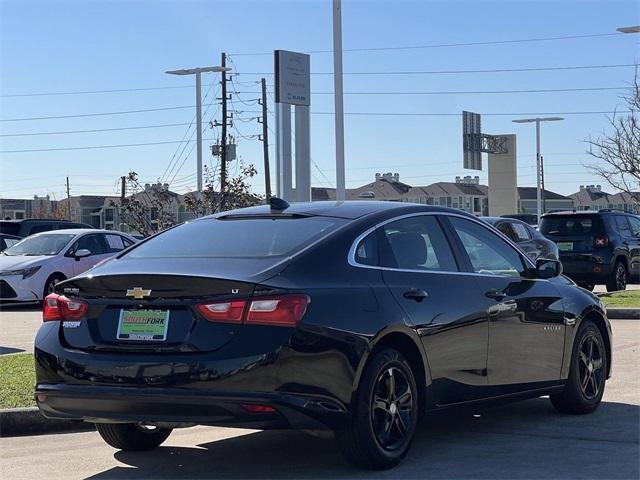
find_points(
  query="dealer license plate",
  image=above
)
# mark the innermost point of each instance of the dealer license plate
(147, 325)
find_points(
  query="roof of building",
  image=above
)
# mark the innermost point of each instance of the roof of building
(530, 193)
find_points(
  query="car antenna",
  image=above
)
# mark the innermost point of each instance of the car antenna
(278, 203)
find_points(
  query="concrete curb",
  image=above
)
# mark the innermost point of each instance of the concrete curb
(29, 421)
(623, 313)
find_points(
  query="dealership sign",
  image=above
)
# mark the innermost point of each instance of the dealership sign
(293, 80)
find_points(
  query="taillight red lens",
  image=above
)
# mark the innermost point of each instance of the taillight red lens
(224, 312)
(50, 310)
(283, 311)
(600, 242)
(59, 307)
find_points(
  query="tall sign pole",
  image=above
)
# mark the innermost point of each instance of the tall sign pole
(338, 99)
(293, 87)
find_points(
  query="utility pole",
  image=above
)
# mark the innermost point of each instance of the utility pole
(223, 141)
(265, 141)
(68, 201)
(123, 187)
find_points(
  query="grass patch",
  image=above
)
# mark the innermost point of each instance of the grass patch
(17, 379)
(625, 299)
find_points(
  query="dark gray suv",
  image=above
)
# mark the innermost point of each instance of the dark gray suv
(596, 247)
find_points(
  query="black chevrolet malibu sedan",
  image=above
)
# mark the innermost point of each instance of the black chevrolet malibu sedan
(357, 317)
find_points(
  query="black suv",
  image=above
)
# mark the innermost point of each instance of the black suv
(596, 246)
(29, 226)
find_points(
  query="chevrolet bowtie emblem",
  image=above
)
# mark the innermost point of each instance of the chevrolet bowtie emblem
(138, 292)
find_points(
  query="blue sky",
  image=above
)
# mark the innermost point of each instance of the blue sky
(55, 46)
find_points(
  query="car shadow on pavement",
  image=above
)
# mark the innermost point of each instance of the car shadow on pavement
(525, 440)
(7, 350)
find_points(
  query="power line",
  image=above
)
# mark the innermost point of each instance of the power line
(66, 132)
(491, 70)
(474, 92)
(95, 147)
(99, 114)
(445, 45)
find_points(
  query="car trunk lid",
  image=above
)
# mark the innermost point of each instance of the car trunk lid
(151, 312)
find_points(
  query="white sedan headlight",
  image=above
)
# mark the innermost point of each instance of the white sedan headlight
(25, 272)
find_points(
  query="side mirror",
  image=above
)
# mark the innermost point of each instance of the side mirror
(83, 252)
(546, 268)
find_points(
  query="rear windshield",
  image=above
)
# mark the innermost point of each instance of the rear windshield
(237, 238)
(571, 225)
(10, 228)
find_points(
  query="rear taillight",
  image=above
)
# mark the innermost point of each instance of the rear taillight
(225, 312)
(282, 311)
(58, 307)
(600, 242)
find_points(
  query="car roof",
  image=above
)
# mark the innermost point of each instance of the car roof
(78, 231)
(351, 209)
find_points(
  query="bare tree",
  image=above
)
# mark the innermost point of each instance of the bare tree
(237, 192)
(618, 150)
(146, 210)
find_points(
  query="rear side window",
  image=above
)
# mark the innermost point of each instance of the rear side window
(635, 226)
(572, 225)
(520, 231)
(416, 243)
(622, 225)
(367, 250)
(115, 243)
(237, 238)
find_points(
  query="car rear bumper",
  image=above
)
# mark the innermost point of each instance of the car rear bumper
(113, 404)
(586, 268)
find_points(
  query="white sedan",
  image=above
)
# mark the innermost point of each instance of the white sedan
(30, 269)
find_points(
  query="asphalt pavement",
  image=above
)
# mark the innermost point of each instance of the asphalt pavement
(523, 440)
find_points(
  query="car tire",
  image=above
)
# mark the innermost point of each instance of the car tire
(51, 282)
(587, 374)
(619, 278)
(132, 436)
(385, 414)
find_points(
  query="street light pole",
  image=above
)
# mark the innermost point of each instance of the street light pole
(199, 128)
(198, 73)
(537, 121)
(338, 99)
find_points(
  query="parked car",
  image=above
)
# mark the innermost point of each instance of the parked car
(358, 317)
(7, 240)
(29, 226)
(596, 247)
(30, 269)
(530, 240)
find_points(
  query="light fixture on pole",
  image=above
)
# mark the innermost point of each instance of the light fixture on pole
(633, 29)
(197, 72)
(538, 159)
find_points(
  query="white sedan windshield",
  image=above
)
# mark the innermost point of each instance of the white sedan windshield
(40, 245)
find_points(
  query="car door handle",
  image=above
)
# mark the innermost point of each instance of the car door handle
(495, 294)
(415, 294)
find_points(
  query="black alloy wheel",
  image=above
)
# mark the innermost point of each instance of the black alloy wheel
(392, 410)
(618, 279)
(587, 374)
(590, 366)
(384, 413)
